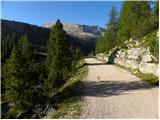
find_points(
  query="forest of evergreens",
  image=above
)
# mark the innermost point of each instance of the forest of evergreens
(136, 19)
(26, 81)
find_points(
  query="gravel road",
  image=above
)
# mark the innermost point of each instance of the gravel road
(111, 92)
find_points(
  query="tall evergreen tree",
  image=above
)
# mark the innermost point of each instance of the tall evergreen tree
(7, 43)
(134, 20)
(155, 15)
(156, 9)
(26, 48)
(142, 25)
(34, 69)
(111, 31)
(100, 45)
(106, 42)
(59, 58)
(16, 82)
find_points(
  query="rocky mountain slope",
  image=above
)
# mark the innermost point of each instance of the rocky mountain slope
(81, 31)
(83, 36)
(36, 34)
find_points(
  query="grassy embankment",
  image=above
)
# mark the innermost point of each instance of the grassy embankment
(68, 98)
(147, 77)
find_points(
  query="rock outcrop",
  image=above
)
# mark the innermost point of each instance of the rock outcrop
(134, 56)
(41, 111)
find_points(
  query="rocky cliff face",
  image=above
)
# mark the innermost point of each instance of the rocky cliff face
(135, 56)
(80, 31)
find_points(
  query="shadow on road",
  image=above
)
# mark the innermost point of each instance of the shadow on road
(90, 64)
(111, 88)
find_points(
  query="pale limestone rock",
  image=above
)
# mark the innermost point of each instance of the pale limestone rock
(147, 58)
(149, 68)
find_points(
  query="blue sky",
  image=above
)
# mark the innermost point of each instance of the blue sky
(90, 13)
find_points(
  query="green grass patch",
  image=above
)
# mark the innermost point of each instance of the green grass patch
(147, 77)
(151, 41)
(68, 98)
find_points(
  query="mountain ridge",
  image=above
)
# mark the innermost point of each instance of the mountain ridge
(39, 35)
(78, 29)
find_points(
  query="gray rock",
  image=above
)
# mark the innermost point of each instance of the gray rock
(147, 57)
(149, 68)
(42, 110)
(137, 58)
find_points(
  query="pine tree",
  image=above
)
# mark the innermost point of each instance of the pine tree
(8, 42)
(155, 16)
(156, 9)
(142, 25)
(111, 31)
(133, 21)
(59, 58)
(33, 68)
(100, 45)
(17, 86)
(26, 48)
(106, 42)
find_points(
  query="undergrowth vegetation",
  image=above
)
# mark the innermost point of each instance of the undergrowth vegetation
(68, 98)
(152, 42)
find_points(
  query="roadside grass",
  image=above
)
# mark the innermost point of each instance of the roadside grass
(68, 98)
(147, 77)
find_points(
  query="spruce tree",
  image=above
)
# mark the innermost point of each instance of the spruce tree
(8, 41)
(155, 16)
(33, 68)
(100, 45)
(106, 42)
(16, 82)
(59, 58)
(142, 25)
(26, 48)
(111, 31)
(133, 21)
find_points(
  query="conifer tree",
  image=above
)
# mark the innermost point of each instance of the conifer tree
(111, 31)
(141, 25)
(17, 86)
(106, 42)
(155, 16)
(134, 20)
(100, 45)
(156, 9)
(33, 68)
(59, 58)
(26, 48)
(8, 41)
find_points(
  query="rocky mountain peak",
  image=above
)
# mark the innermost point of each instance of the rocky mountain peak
(79, 30)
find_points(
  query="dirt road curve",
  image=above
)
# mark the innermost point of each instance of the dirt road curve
(110, 92)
